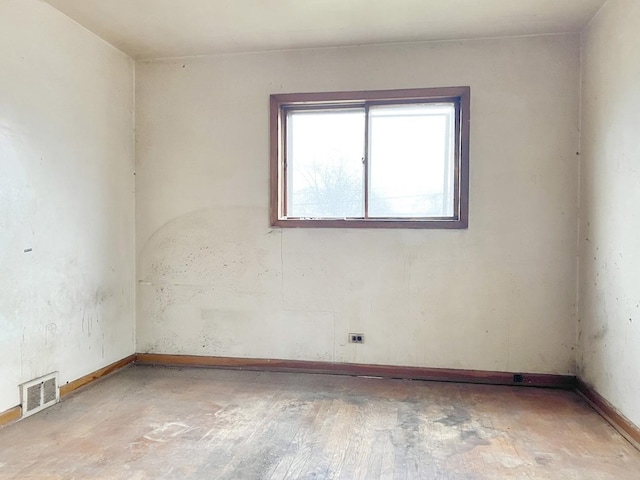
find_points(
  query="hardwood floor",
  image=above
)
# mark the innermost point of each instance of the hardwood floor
(155, 423)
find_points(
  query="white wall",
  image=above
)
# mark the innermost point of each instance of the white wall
(215, 279)
(67, 194)
(609, 325)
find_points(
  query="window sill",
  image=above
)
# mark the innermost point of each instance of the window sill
(440, 224)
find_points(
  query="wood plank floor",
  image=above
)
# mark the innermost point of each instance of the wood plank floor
(157, 423)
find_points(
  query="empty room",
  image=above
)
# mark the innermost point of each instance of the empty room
(320, 239)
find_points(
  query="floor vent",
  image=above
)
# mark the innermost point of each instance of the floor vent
(39, 394)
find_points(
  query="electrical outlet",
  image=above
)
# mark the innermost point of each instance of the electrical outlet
(356, 338)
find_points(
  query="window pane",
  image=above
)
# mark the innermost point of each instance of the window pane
(325, 173)
(411, 166)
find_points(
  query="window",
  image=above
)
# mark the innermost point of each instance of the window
(386, 158)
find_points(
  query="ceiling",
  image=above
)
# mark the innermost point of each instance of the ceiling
(170, 28)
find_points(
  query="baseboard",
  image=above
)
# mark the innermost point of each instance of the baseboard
(11, 415)
(618, 421)
(413, 373)
(92, 377)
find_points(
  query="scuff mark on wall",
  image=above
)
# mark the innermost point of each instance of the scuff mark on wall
(51, 330)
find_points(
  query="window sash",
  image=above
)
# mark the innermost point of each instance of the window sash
(446, 111)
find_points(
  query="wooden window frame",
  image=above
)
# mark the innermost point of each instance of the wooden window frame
(281, 103)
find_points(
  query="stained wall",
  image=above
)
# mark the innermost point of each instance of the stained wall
(67, 295)
(609, 322)
(215, 279)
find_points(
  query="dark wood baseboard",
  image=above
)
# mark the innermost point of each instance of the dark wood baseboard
(618, 421)
(10, 415)
(413, 373)
(92, 377)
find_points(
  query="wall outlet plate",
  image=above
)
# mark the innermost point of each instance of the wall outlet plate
(356, 338)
